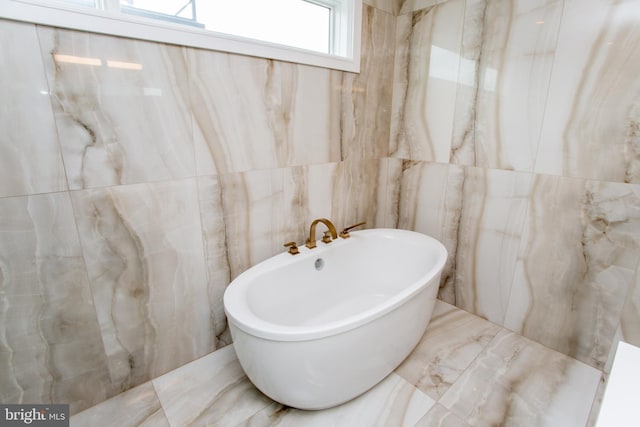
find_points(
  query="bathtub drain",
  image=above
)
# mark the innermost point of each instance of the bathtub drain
(319, 264)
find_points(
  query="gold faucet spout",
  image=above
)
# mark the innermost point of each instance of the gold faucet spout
(311, 240)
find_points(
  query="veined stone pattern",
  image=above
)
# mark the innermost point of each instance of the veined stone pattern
(130, 198)
(515, 128)
(465, 371)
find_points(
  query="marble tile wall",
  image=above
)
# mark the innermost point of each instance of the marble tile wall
(130, 198)
(594, 96)
(34, 148)
(138, 179)
(391, 6)
(514, 140)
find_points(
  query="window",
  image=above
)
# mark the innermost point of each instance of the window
(296, 23)
(316, 32)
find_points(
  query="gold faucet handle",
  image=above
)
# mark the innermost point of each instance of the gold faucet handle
(310, 243)
(326, 237)
(345, 233)
(293, 248)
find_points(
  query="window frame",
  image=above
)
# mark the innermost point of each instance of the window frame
(345, 36)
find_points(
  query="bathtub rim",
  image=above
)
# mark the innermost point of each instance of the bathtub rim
(261, 328)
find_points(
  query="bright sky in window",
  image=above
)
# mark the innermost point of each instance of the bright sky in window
(295, 23)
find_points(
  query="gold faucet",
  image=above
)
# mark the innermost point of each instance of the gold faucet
(326, 238)
(293, 248)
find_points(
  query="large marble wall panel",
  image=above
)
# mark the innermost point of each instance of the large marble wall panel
(365, 98)
(420, 196)
(252, 113)
(143, 249)
(347, 193)
(254, 213)
(216, 253)
(507, 51)
(576, 264)
(425, 82)
(254, 220)
(426, 197)
(390, 6)
(493, 208)
(308, 195)
(409, 6)
(592, 120)
(386, 193)
(121, 108)
(478, 214)
(50, 346)
(137, 122)
(30, 159)
(573, 293)
(358, 191)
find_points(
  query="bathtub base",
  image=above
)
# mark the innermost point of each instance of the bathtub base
(325, 372)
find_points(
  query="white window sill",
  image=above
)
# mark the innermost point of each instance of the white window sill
(147, 29)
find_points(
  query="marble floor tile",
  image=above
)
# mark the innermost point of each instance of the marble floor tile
(439, 416)
(136, 407)
(516, 381)
(212, 390)
(392, 402)
(453, 339)
(505, 380)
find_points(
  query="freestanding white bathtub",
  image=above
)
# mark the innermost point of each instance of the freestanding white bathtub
(319, 328)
